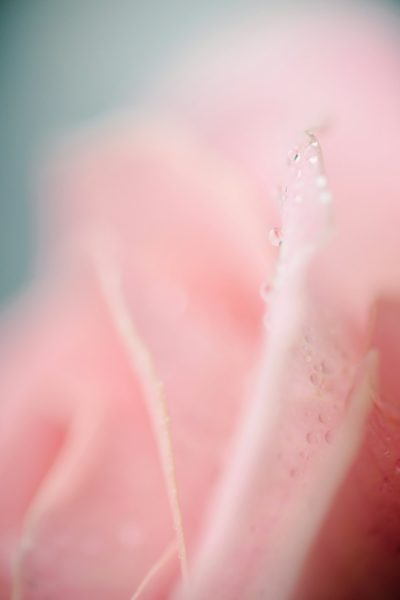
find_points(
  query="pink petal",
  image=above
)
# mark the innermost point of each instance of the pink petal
(193, 254)
(87, 511)
(303, 427)
(191, 257)
(358, 550)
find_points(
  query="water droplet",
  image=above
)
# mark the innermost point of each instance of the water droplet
(321, 418)
(298, 199)
(325, 197)
(328, 437)
(315, 378)
(312, 437)
(275, 237)
(294, 156)
(299, 174)
(265, 292)
(397, 467)
(321, 181)
(321, 367)
(280, 194)
(314, 144)
(313, 159)
(293, 473)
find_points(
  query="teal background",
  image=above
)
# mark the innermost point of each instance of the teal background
(63, 62)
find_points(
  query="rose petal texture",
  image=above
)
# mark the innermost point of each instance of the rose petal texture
(357, 550)
(80, 475)
(263, 430)
(192, 284)
(300, 432)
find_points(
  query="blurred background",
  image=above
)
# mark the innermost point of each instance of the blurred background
(63, 62)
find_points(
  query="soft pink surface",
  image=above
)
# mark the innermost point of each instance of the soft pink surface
(265, 420)
(251, 92)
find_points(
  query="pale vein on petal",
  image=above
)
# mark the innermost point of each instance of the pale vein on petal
(161, 562)
(141, 363)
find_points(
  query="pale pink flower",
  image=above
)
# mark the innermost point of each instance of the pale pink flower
(164, 431)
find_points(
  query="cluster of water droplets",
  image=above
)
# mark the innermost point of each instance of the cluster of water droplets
(275, 237)
(306, 182)
(306, 177)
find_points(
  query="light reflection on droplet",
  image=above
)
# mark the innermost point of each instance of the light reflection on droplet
(275, 237)
(294, 156)
(325, 197)
(321, 181)
(315, 378)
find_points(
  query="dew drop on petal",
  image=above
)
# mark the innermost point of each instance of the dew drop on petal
(321, 181)
(275, 237)
(321, 368)
(314, 437)
(326, 197)
(294, 157)
(315, 378)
